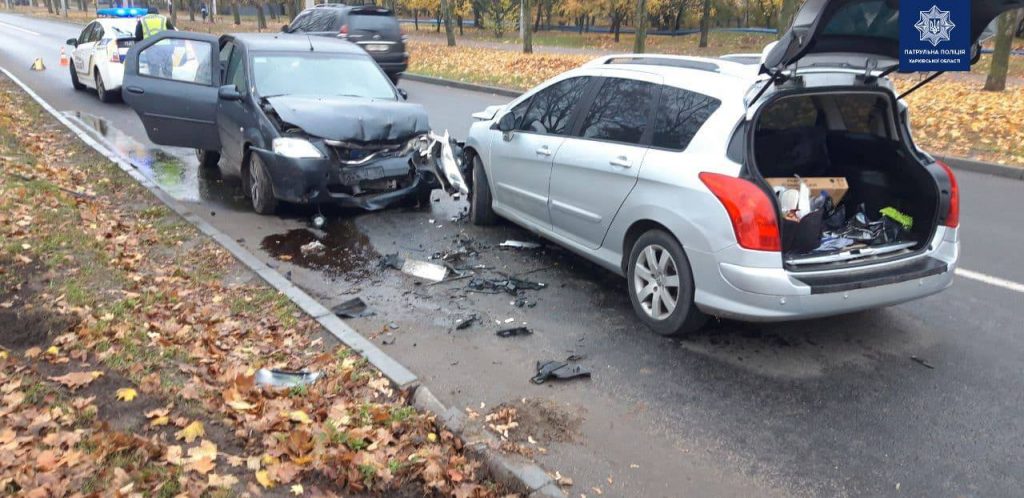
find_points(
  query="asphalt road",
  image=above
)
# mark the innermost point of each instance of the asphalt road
(825, 407)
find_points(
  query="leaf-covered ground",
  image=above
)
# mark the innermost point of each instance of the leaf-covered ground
(129, 344)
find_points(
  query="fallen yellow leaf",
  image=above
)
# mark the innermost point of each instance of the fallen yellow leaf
(191, 432)
(241, 405)
(297, 489)
(52, 351)
(299, 416)
(126, 394)
(159, 421)
(264, 479)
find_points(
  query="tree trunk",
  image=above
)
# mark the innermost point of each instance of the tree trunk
(235, 13)
(527, 32)
(462, 24)
(261, 17)
(705, 23)
(617, 26)
(416, 19)
(540, 17)
(49, 6)
(640, 41)
(437, 20)
(679, 18)
(449, 30)
(1007, 24)
(192, 10)
(786, 14)
(273, 12)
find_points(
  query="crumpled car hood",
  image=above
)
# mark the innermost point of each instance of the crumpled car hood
(352, 119)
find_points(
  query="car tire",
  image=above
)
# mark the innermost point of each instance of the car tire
(662, 291)
(207, 158)
(74, 78)
(105, 95)
(261, 192)
(480, 211)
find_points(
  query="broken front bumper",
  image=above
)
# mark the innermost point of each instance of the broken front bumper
(371, 186)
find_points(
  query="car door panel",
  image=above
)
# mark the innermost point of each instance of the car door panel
(232, 115)
(83, 51)
(171, 81)
(596, 168)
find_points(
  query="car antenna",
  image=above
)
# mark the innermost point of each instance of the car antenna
(310, 43)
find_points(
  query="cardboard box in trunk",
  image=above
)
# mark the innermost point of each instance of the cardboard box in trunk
(836, 186)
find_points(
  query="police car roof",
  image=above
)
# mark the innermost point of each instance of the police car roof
(283, 42)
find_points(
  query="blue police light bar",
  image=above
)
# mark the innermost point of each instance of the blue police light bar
(122, 12)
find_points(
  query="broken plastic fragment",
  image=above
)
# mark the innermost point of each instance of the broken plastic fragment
(285, 378)
(519, 244)
(464, 323)
(353, 308)
(424, 270)
(315, 247)
(514, 332)
(558, 370)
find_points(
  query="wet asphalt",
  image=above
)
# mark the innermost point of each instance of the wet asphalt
(831, 407)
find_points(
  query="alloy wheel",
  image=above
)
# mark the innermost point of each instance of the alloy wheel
(258, 177)
(656, 282)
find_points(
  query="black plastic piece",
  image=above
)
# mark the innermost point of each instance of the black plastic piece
(863, 279)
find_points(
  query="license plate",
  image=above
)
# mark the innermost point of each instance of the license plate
(364, 173)
(376, 47)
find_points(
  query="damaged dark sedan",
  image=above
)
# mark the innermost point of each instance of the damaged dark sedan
(306, 120)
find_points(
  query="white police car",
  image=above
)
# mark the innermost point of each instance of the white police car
(97, 55)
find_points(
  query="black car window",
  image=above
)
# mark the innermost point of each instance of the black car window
(679, 116)
(236, 72)
(323, 20)
(97, 33)
(551, 109)
(177, 59)
(621, 111)
(225, 55)
(301, 22)
(382, 24)
(86, 33)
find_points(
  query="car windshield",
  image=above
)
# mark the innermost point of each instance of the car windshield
(375, 23)
(319, 74)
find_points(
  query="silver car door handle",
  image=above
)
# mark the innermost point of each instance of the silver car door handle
(622, 162)
(544, 151)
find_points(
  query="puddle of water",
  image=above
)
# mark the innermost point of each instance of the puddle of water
(347, 252)
(178, 175)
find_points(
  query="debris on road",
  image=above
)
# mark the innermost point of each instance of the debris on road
(353, 308)
(424, 270)
(514, 332)
(314, 247)
(392, 260)
(922, 362)
(285, 378)
(559, 370)
(465, 323)
(519, 244)
(509, 285)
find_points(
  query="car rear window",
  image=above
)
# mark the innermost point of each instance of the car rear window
(384, 24)
(872, 18)
(680, 115)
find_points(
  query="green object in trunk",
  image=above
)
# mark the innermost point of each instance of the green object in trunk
(894, 214)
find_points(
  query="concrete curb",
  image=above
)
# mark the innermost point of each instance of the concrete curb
(526, 477)
(520, 475)
(402, 377)
(955, 162)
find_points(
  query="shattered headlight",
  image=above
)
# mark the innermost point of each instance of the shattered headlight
(296, 148)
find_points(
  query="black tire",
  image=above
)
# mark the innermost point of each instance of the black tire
(105, 95)
(480, 211)
(260, 190)
(207, 158)
(74, 78)
(685, 317)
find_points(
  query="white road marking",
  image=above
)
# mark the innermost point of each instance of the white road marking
(989, 279)
(23, 30)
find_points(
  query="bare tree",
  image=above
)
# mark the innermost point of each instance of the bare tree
(640, 41)
(527, 32)
(786, 13)
(1005, 27)
(449, 30)
(705, 23)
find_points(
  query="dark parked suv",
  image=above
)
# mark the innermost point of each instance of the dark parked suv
(373, 28)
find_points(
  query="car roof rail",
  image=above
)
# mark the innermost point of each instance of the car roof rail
(674, 61)
(329, 5)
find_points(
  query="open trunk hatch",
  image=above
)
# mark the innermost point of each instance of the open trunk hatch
(866, 27)
(849, 188)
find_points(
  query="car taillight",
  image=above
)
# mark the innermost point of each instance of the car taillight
(751, 211)
(343, 32)
(953, 215)
(114, 54)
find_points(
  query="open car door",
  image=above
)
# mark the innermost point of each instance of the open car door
(171, 81)
(864, 27)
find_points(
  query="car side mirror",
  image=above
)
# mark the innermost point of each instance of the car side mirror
(286, 29)
(507, 123)
(73, 42)
(404, 94)
(228, 92)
